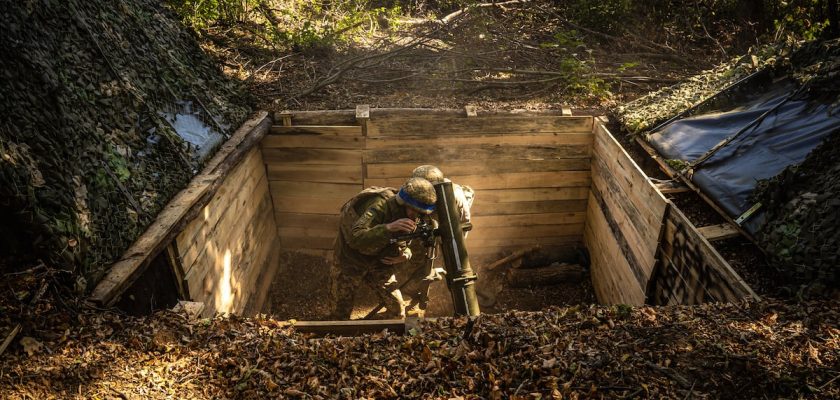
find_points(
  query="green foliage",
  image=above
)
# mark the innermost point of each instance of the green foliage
(802, 18)
(601, 15)
(291, 24)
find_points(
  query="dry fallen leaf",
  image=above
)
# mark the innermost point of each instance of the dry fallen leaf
(30, 345)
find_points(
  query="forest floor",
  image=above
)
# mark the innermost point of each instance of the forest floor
(750, 350)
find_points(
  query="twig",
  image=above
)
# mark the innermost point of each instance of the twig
(820, 388)
(28, 271)
(670, 373)
(449, 17)
(515, 256)
(9, 338)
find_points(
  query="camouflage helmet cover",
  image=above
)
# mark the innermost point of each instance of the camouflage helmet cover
(418, 194)
(428, 172)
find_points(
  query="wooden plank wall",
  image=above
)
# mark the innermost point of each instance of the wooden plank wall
(531, 173)
(643, 249)
(690, 270)
(312, 171)
(623, 223)
(231, 246)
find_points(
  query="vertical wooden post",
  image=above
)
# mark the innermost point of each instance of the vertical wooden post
(362, 117)
(471, 111)
(566, 112)
(286, 117)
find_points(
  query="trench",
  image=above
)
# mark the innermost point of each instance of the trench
(554, 188)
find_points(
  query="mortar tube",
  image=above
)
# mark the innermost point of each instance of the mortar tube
(460, 278)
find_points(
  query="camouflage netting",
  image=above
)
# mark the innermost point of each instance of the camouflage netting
(646, 112)
(801, 235)
(803, 204)
(87, 158)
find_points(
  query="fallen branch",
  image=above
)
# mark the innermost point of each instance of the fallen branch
(514, 256)
(9, 338)
(550, 275)
(449, 17)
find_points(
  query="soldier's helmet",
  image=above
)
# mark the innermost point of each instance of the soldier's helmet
(428, 172)
(418, 194)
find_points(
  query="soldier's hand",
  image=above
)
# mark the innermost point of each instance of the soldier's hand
(401, 225)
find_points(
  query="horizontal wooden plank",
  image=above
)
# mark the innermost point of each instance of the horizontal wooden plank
(315, 173)
(521, 232)
(314, 189)
(306, 220)
(312, 156)
(305, 243)
(483, 222)
(308, 205)
(671, 187)
(534, 194)
(508, 139)
(430, 154)
(514, 180)
(719, 232)
(527, 207)
(313, 141)
(462, 168)
(334, 130)
(320, 232)
(398, 126)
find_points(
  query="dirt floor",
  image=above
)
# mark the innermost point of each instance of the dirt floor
(301, 291)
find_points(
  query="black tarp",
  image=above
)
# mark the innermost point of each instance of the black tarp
(794, 124)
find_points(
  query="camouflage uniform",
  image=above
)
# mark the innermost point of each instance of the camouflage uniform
(362, 242)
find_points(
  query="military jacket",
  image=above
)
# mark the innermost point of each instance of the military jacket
(362, 238)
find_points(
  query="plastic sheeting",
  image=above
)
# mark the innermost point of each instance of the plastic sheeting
(193, 126)
(783, 137)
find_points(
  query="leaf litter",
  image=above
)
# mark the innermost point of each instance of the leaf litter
(773, 349)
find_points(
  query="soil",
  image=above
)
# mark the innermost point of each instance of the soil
(300, 291)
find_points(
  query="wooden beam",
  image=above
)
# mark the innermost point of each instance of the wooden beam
(470, 111)
(674, 175)
(349, 328)
(719, 232)
(337, 130)
(183, 208)
(671, 187)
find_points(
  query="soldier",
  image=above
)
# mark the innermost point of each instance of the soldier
(364, 253)
(421, 271)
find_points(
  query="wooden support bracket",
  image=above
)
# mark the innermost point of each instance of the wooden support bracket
(284, 117)
(672, 187)
(719, 232)
(566, 112)
(687, 182)
(471, 111)
(363, 116)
